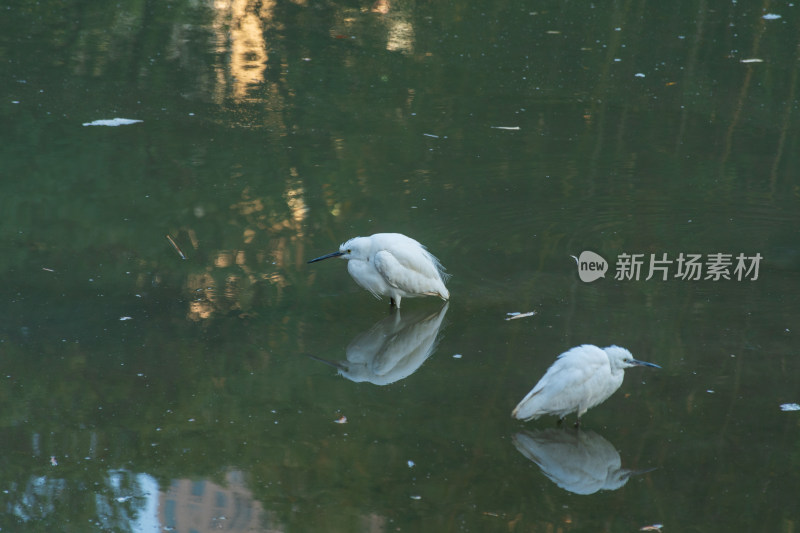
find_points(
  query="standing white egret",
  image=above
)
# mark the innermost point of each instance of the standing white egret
(580, 378)
(393, 265)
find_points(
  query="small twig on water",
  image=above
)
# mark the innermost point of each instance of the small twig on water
(177, 248)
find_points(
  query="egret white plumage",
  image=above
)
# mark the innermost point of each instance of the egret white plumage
(393, 265)
(581, 378)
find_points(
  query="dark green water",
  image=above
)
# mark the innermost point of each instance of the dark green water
(145, 392)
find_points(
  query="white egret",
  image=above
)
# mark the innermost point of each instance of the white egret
(393, 265)
(580, 378)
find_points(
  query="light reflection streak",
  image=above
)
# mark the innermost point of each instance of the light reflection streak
(400, 36)
(239, 28)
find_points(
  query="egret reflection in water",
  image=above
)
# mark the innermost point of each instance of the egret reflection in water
(578, 461)
(392, 349)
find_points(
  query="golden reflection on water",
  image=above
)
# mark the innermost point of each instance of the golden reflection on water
(239, 30)
(271, 243)
(400, 35)
(271, 234)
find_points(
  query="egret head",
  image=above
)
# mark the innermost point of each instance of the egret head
(622, 358)
(355, 248)
(327, 256)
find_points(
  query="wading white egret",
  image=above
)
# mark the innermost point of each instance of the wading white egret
(580, 378)
(393, 265)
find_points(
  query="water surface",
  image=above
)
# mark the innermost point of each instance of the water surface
(146, 392)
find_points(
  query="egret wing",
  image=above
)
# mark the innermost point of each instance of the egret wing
(409, 271)
(572, 371)
(366, 277)
(415, 257)
(563, 387)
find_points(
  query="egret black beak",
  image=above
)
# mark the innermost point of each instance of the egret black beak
(331, 363)
(644, 363)
(326, 256)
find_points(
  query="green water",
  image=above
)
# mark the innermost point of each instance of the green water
(142, 391)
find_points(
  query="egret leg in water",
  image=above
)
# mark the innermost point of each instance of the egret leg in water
(393, 265)
(580, 379)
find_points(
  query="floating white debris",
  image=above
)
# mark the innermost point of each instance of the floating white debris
(751, 60)
(112, 122)
(790, 407)
(639, 75)
(507, 128)
(457, 356)
(771, 16)
(430, 135)
(415, 497)
(341, 420)
(410, 463)
(516, 315)
(125, 318)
